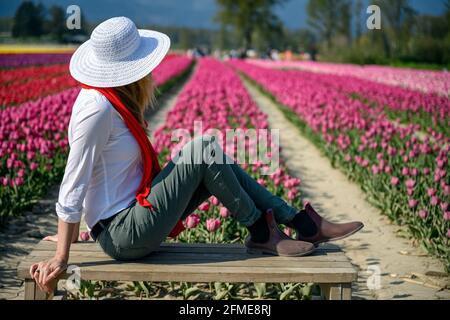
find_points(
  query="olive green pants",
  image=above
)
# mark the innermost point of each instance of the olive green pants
(199, 170)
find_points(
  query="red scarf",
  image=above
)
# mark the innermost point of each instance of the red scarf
(149, 156)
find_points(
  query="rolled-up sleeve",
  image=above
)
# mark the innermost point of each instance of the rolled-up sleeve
(91, 127)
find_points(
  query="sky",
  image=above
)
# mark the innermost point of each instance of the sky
(191, 13)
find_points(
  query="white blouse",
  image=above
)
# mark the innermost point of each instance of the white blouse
(104, 168)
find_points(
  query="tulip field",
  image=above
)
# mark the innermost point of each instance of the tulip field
(387, 128)
(35, 108)
(401, 162)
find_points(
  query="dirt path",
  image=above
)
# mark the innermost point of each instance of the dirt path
(377, 247)
(18, 238)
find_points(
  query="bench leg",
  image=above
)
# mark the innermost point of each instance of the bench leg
(32, 292)
(336, 291)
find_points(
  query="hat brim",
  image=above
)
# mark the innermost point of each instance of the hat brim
(86, 68)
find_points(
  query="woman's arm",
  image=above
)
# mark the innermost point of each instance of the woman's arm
(75, 235)
(91, 128)
(46, 271)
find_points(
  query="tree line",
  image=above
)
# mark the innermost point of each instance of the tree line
(36, 20)
(336, 29)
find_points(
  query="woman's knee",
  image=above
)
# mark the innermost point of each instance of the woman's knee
(201, 149)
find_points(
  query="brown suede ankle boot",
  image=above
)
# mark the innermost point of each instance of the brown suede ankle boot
(278, 242)
(324, 230)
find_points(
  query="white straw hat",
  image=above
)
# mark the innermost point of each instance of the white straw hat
(118, 54)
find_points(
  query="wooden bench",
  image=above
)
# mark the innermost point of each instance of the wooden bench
(328, 267)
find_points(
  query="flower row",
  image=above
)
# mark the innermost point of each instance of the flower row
(25, 84)
(405, 175)
(421, 80)
(14, 60)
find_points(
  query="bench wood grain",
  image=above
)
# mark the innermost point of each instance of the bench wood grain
(328, 266)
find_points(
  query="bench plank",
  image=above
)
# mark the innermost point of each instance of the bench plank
(206, 263)
(167, 255)
(177, 247)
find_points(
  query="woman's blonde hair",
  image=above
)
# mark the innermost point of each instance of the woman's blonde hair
(138, 96)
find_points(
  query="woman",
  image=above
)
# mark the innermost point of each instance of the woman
(113, 176)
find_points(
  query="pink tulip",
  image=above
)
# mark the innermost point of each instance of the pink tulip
(5, 181)
(18, 181)
(84, 236)
(431, 192)
(224, 213)
(212, 225)
(192, 221)
(292, 194)
(288, 231)
(410, 183)
(276, 181)
(412, 203)
(375, 170)
(33, 166)
(447, 215)
(423, 214)
(444, 206)
(215, 201)
(446, 190)
(261, 182)
(204, 206)
(395, 181)
(434, 201)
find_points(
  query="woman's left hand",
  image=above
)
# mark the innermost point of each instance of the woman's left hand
(45, 272)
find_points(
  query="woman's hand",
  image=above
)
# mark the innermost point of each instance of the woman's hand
(45, 273)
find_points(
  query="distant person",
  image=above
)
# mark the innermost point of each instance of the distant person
(112, 174)
(313, 53)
